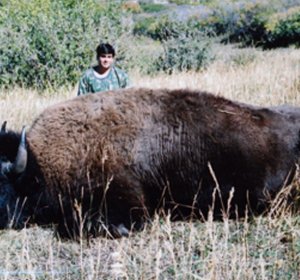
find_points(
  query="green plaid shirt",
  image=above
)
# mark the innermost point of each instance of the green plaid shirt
(91, 83)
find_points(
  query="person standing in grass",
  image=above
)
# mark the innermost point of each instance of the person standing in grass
(104, 76)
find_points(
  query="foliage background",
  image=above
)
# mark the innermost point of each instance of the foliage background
(48, 44)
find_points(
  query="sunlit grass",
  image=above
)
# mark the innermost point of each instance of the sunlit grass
(267, 78)
(257, 248)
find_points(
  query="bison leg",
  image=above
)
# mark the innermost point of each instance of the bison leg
(113, 210)
(125, 204)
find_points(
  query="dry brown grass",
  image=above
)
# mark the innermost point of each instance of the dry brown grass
(260, 248)
(249, 75)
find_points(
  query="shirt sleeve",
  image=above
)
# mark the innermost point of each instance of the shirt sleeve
(126, 82)
(124, 79)
(82, 87)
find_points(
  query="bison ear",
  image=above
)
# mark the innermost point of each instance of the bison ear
(3, 127)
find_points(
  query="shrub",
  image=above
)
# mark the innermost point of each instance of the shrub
(242, 22)
(144, 27)
(254, 23)
(249, 25)
(158, 28)
(49, 43)
(284, 29)
(152, 7)
(185, 47)
(188, 51)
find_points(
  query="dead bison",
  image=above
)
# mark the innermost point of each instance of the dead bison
(109, 161)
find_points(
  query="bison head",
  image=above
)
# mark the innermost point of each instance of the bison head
(13, 160)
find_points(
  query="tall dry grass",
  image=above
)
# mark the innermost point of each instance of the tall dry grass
(248, 75)
(257, 248)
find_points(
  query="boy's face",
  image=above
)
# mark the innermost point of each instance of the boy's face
(106, 60)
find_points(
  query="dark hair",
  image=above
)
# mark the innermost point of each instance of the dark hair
(105, 49)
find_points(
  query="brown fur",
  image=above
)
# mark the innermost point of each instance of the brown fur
(123, 155)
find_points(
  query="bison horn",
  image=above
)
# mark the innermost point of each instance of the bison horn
(3, 127)
(21, 160)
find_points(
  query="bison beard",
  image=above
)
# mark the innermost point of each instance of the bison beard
(106, 162)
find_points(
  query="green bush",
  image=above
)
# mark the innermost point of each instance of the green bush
(145, 27)
(152, 7)
(185, 47)
(242, 22)
(283, 29)
(158, 28)
(48, 43)
(189, 50)
(254, 23)
(249, 26)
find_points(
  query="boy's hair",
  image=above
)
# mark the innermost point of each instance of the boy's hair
(105, 48)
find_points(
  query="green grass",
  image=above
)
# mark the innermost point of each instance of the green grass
(152, 7)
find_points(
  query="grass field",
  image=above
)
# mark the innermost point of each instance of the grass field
(253, 248)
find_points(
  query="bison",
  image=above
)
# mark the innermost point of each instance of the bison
(107, 162)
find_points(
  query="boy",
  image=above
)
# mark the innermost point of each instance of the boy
(104, 76)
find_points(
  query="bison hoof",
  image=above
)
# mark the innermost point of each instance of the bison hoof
(119, 231)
